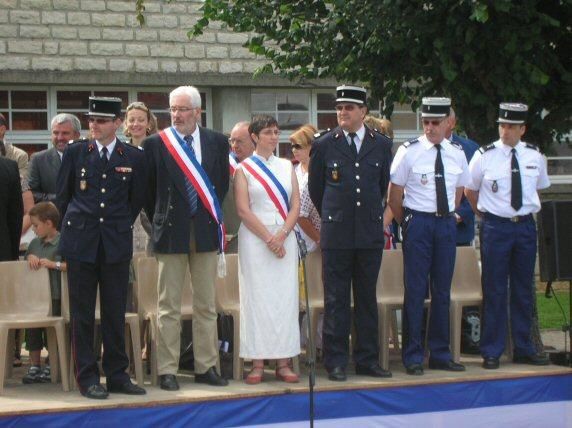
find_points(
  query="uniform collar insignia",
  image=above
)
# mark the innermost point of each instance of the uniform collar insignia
(91, 147)
(120, 150)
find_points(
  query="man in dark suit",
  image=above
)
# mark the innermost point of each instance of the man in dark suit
(100, 192)
(44, 165)
(348, 178)
(185, 235)
(11, 209)
(463, 213)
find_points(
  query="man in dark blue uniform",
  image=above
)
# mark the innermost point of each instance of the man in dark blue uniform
(505, 179)
(348, 178)
(100, 191)
(427, 179)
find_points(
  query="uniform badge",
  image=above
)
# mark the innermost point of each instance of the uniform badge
(83, 185)
(123, 169)
(335, 173)
(495, 187)
(424, 179)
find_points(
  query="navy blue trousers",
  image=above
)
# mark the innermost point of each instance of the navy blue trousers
(508, 255)
(83, 280)
(345, 271)
(429, 250)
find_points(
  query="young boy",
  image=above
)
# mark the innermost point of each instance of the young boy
(43, 253)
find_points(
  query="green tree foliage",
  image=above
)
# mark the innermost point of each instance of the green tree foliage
(477, 52)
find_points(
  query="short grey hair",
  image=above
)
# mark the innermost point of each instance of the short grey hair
(66, 117)
(190, 91)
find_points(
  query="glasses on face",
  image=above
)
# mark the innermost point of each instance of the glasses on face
(346, 107)
(432, 122)
(99, 120)
(235, 141)
(297, 146)
(275, 132)
(180, 109)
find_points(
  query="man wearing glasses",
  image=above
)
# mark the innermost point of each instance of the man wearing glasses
(427, 179)
(185, 234)
(241, 147)
(347, 181)
(100, 192)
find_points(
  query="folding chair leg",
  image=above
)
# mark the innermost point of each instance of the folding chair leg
(456, 313)
(53, 352)
(383, 322)
(5, 356)
(11, 337)
(62, 356)
(136, 347)
(395, 331)
(237, 362)
(153, 334)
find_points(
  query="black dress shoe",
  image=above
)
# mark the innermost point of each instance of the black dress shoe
(490, 363)
(169, 382)
(449, 366)
(534, 360)
(337, 374)
(96, 392)
(211, 377)
(127, 388)
(374, 371)
(414, 370)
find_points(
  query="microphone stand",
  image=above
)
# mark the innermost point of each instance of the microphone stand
(310, 357)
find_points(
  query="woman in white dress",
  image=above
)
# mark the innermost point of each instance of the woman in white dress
(268, 258)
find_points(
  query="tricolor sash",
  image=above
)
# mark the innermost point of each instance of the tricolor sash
(232, 163)
(268, 180)
(192, 169)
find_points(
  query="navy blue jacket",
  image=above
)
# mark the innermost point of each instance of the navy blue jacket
(465, 229)
(349, 193)
(167, 204)
(99, 203)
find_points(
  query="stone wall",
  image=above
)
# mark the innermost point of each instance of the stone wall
(100, 41)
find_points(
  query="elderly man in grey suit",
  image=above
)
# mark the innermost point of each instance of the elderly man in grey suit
(44, 165)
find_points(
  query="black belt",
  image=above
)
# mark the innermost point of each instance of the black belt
(515, 219)
(433, 214)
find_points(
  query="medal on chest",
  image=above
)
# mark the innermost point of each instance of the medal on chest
(495, 186)
(424, 179)
(83, 181)
(335, 173)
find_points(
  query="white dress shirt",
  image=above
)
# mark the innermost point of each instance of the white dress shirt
(490, 172)
(414, 168)
(110, 148)
(196, 142)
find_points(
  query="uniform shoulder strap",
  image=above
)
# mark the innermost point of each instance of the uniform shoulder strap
(531, 146)
(487, 148)
(409, 143)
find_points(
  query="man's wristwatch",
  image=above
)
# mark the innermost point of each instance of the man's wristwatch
(59, 265)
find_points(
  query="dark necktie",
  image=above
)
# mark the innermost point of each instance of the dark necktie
(442, 203)
(353, 146)
(515, 183)
(104, 159)
(191, 191)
